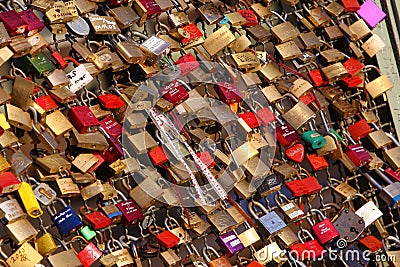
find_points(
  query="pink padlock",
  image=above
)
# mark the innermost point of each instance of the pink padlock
(371, 13)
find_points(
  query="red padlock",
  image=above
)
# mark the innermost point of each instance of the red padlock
(359, 130)
(9, 183)
(324, 230)
(151, 6)
(358, 155)
(350, 5)
(83, 119)
(352, 81)
(187, 63)
(96, 219)
(89, 255)
(158, 156)
(353, 66)
(265, 116)
(194, 33)
(113, 152)
(250, 119)
(371, 243)
(166, 238)
(312, 184)
(111, 127)
(317, 162)
(295, 153)
(307, 250)
(317, 78)
(110, 101)
(46, 102)
(174, 92)
(297, 188)
(250, 17)
(206, 158)
(286, 135)
(228, 92)
(308, 98)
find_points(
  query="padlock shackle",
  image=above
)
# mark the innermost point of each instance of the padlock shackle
(318, 212)
(168, 222)
(77, 238)
(206, 256)
(369, 67)
(113, 242)
(251, 206)
(307, 233)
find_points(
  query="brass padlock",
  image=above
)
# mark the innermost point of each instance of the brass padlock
(344, 108)
(20, 231)
(298, 115)
(270, 72)
(58, 123)
(259, 33)
(379, 139)
(284, 31)
(310, 40)
(57, 79)
(85, 161)
(68, 188)
(18, 118)
(218, 40)
(19, 46)
(288, 50)
(360, 29)
(379, 86)
(104, 25)
(210, 13)
(335, 72)
(392, 156)
(53, 163)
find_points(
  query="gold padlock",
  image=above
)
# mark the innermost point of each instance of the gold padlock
(379, 139)
(392, 156)
(21, 231)
(18, 118)
(218, 40)
(68, 188)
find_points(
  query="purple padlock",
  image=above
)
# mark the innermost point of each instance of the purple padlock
(230, 243)
(371, 13)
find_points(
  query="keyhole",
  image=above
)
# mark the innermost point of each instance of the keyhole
(354, 230)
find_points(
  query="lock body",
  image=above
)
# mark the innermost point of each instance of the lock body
(229, 243)
(67, 221)
(83, 119)
(325, 231)
(130, 212)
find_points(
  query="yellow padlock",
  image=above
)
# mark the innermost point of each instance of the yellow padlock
(29, 200)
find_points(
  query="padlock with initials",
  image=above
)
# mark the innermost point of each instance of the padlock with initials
(130, 211)
(289, 208)
(96, 219)
(229, 243)
(324, 230)
(66, 220)
(89, 254)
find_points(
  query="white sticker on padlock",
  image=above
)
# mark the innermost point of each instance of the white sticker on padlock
(79, 77)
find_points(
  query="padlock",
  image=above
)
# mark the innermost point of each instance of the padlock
(165, 237)
(317, 162)
(67, 221)
(392, 157)
(43, 192)
(379, 139)
(87, 232)
(130, 211)
(9, 182)
(290, 208)
(110, 210)
(222, 221)
(358, 154)
(249, 263)
(89, 254)
(96, 219)
(18, 118)
(29, 200)
(270, 220)
(307, 250)
(83, 119)
(350, 5)
(45, 244)
(315, 139)
(104, 25)
(369, 212)
(371, 13)
(259, 33)
(122, 254)
(270, 253)
(285, 170)
(20, 231)
(371, 243)
(172, 225)
(67, 255)
(30, 256)
(219, 261)
(218, 40)
(229, 243)
(12, 21)
(170, 258)
(286, 135)
(284, 31)
(12, 210)
(324, 230)
(298, 115)
(345, 218)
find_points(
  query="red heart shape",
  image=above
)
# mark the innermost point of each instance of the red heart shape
(295, 153)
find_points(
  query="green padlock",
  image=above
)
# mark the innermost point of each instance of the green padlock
(41, 64)
(87, 232)
(314, 139)
(338, 136)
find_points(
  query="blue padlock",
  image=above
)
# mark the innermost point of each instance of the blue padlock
(67, 221)
(314, 139)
